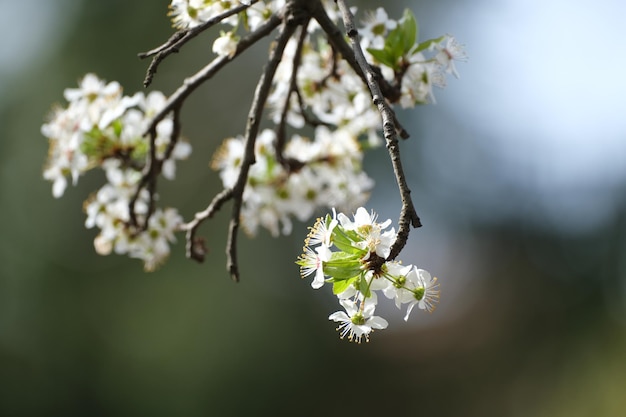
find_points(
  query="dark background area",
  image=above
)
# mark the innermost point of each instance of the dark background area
(530, 252)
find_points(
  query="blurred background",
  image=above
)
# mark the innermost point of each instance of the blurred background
(518, 173)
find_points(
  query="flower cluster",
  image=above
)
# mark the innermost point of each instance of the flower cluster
(358, 269)
(322, 173)
(394, 46)
(192, 13)
(100, 127)
(187, 14)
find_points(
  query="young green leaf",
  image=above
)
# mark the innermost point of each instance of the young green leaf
(382, 56)
(398, 43)
(341, 286)
(344, 240)
(427, 44)
(408, 28)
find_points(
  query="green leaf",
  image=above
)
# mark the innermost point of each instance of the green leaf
(140, 150)
(382, 56)
(340, 257)
(344, 241)
(341, 273)
(341, 286)
(409, 31)
(394, 43)
(327, 221)
(243, 17)
(427, 44)
(342, 266)
(398, 43)
(117, 127)
(96, 144)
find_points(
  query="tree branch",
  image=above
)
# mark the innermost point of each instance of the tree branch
(178, 39)
(151, 171)
(252, 128)
(193, 82)
(281, 134)
(408, 215)
(336, 39)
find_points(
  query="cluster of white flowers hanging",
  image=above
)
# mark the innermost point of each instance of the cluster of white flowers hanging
(101, 128)
(357, 269)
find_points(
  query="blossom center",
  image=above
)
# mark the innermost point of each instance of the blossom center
(419, 292)
(358, 319)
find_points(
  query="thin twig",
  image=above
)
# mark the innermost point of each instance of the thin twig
(178, 39)
(176, 130)
(281, 134)
(148, 178)
(310, 120)
(408, 215)
(332, 73)
(252, 128)
(193, 82)
(195, 248)
(151, 171)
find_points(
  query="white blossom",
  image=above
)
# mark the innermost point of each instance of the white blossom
(448, 53)
(225, 45)
(356, 322)
(421, 290)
